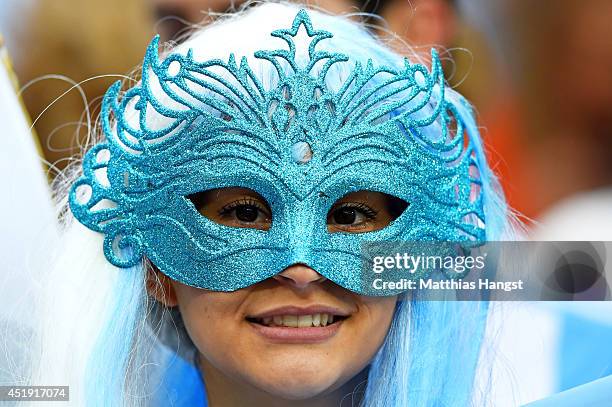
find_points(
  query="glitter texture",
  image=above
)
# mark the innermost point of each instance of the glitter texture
(192, 126)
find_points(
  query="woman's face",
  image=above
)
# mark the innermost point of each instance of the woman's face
(296, 335)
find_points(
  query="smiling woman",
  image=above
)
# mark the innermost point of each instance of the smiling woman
(279, 333)
(227, 204)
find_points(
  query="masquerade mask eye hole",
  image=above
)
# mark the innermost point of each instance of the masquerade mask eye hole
(235, 207)
(364, 211)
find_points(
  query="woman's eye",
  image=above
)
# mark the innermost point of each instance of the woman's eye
(245, 211)
(364, 211)
(234, 206)
(351, 214)
(347, 216)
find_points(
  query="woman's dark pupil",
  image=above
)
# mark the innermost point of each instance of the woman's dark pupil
(246, 213)
(345, 216)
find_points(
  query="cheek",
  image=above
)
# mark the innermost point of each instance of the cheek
(371, 326)
(362, 336)
(213, 321)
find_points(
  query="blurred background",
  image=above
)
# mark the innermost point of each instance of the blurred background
(539, 74)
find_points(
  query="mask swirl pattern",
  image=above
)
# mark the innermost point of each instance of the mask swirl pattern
(191, 126)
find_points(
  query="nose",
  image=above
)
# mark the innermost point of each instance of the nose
(299, 276)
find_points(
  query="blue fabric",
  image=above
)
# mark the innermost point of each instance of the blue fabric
(194, 126)
(585, 351)
(181, 386)
(597, 393)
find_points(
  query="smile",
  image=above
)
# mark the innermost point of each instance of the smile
(298, 325)
(299, 321)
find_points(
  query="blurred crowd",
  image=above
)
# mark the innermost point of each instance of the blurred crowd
(538, 73)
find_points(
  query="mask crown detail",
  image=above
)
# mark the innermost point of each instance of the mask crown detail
(190, 125)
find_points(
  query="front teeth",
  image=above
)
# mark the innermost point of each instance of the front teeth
(298, 321)
(290, 320)
(304, 321)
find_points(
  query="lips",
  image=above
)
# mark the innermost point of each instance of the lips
(298, 325)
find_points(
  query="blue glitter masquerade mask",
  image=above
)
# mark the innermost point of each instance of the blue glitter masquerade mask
(384, 129)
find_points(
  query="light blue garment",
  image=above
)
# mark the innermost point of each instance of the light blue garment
(194, 126)
(597, 393)
(584, 352)
(181, 386)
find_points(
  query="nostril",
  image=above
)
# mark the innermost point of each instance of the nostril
(299, 275)
(281, 277)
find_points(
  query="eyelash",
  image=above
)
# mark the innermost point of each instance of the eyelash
(227, 209)
(366, 210)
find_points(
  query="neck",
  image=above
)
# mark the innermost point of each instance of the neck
(223, 391)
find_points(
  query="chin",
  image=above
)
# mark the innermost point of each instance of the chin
(299, 391)
(298, 381)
